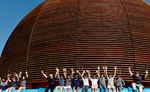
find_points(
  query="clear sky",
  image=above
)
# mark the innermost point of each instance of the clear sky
(148, 1)
(11, 13)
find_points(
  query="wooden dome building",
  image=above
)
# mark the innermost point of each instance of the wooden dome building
(80, 34)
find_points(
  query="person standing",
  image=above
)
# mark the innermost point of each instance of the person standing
(14, 82)
(110, 79)
(119, 83)
(137, 80)
(94, 81)
(102, 84)
(102, 81)
(85, 80)
(69, 79)
(23, 81)
(61, 83)
(3, 84)
(51, 80)
(76, 83)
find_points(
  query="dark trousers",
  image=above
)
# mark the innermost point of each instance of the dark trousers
(85, 88)
(118, 88)
(102, 88)
(52, 87)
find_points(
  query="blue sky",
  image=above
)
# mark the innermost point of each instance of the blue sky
(11, 13)
(148, 1)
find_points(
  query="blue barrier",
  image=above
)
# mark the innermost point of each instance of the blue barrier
(80, 90)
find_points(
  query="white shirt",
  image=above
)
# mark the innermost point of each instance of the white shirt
(4, 83)
(86, 82)
(111, 81)
(94, 81)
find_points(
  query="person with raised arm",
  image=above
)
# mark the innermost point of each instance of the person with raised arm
(85, 80)
(3, 83)
(14, 82)
(23, 82)
(68, 80)
(51, 80)
(76, 83)
(61, 83)
(102, 81)
(119, 83)
(110, 79)
(137, 80)
(94, 81)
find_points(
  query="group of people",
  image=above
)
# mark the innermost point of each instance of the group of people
(14, 80)
(73, 81)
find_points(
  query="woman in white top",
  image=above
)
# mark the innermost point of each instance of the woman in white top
(85, 81)
(94, 81)
(110, 79)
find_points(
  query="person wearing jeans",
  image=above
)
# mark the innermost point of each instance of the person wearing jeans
(85, 80)
(102, 81)
(102, 84)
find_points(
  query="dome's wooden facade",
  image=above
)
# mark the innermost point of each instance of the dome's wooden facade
(81, 34)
